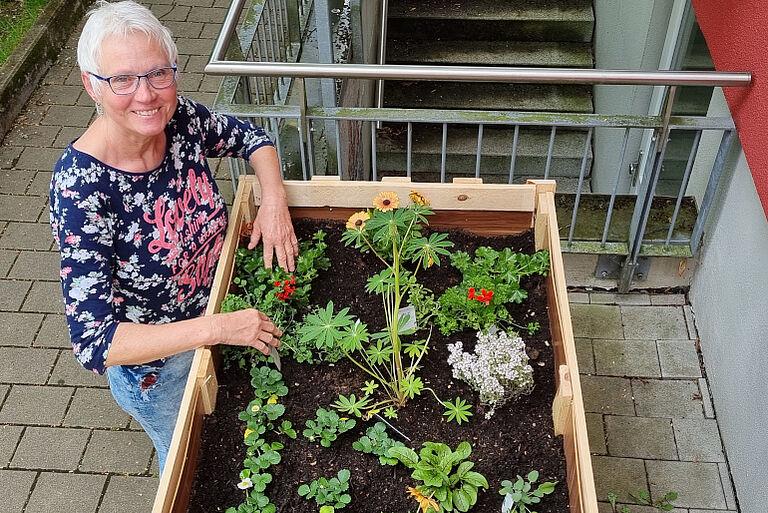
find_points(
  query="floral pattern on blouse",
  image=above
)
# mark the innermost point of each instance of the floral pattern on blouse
(143, 247)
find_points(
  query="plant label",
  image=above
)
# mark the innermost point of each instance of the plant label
(407, 318)
(275, 357)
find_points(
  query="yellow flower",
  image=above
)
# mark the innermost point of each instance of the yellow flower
(425, 503)
(272, 399)
(247, 432)
(357, 220)
(418, 198)
(386, 201)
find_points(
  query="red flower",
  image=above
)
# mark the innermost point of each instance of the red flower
(485, 296)
(471, 293)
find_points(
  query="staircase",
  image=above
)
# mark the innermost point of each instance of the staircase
(527, 33)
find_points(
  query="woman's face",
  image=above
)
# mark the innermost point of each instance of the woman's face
(146, 112)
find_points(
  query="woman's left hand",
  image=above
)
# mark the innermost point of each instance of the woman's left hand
(273, 227)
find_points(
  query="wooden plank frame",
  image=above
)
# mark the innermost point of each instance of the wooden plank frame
(487, 209)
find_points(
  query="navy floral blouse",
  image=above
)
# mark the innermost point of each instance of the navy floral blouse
(143, 247)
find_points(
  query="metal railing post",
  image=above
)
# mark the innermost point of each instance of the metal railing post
(292, 21)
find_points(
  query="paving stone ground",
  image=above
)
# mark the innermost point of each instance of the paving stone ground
(650, 423)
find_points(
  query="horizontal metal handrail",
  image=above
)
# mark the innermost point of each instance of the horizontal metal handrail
(218, 65)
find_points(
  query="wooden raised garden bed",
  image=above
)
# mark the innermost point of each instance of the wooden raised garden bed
(468, 204)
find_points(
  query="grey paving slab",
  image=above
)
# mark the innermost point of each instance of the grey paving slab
(195, 46)
(585, 356)
(53, 333)
(18, 329)
(640, 437)
(35, 405)
(578, 297)
(125, 452)
(32, 135)
(129, 494)
(45, 297)
(667, 398)
(706, 398)
(69, 134)
(618, 475)
(7, 258)
(36, 449)
(604, 507)
(41, 184)
(69, 372)
(207, 14)
(190, 82)
(13, 181)
(610, 298)
(16, 487)
(696, 510)
(12, 294)
(95, 407)
(596, 433)
(21, 208)
(690, 322)
(26, 236)
(185, 29)
(195, 63)
(31, 114)
(668, 299)
(210, 31)
(697, 484)
(210, 84)
(55, 94)
(725, 479)
(596, 321)
(68, 115)
(64, 492)
(9, 439)
(36, 265)
(8, 156)
(678, 359)
(27, 365)
(655, 322)
(3, 392)
(38, 159)
(607, 395)
(626, 358)
(171, 12)
(698, 440)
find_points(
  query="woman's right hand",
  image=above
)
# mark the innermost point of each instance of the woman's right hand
(247, 328)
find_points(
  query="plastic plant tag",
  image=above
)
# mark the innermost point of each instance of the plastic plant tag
(406, 318)
(275, 357)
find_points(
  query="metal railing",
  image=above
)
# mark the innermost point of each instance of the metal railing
(352, 123)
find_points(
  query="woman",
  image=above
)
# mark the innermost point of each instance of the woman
(140, 222)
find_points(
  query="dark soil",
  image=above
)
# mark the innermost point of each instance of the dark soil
(517, 439)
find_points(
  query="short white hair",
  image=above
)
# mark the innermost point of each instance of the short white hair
(119, 19)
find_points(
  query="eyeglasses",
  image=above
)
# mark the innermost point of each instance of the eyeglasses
(160, 78)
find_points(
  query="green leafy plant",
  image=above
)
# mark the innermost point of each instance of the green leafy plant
(327, 426)
(615, 508)
(277, 293)
(458, 410)
(519, 496)
(643, 498)
(329, 492)
(489, 282)
(376, 441)
(446, 476)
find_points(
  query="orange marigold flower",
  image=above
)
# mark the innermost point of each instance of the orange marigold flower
(425, 503)
(357, 220)
(418, 198)
(386, 201)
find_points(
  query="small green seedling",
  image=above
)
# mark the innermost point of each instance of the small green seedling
(518, 496)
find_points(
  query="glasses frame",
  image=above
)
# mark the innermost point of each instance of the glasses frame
(173, 67)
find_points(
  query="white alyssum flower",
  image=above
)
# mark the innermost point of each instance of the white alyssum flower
(498, 369)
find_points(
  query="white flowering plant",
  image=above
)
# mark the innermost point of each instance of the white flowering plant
(498, 369)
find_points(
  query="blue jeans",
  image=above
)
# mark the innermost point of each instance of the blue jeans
(152, 396)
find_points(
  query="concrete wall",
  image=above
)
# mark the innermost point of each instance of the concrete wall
(728, 295)
(628, 35)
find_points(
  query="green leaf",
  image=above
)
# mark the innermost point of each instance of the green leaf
(533, 475)
(405, 455)
(461, 500)
(475, 479)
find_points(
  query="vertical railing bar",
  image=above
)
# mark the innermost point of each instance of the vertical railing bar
(683, 186)
(709, 194)
(300, 125)
(550, 151)
(272, 47)
(479, 149)
(513, 156)
(409, 151)
(615, 187)
(276, 39)
(263, 46)
(276, 127)
(311, 148)
(444, 153)
(373, 151)
(582, 172)
(232, 173)
(338, 146)
(265, 85)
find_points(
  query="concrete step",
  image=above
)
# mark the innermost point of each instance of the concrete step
(488, 96)
(461, 148)
(494, 53)
(532, 20)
